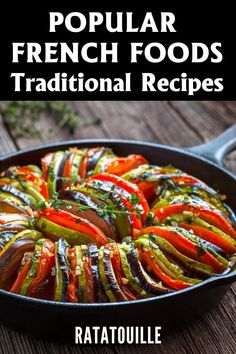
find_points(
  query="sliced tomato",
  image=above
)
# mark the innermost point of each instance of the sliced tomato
(148, 188)
(72, 222)
(68, 165)
(176, 284)
(211, 236)
(136, 221)
(116, 264)
(185, 246)
(120, 165)
(44, 269)
(21, 277)
(89, 278)
(73, 284)
(45, 163)
(187, 179)
(128, 187)
(208, 215)
(34, 179)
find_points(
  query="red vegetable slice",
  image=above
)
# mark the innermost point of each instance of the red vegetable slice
(211, 236)
(116, 264)
(21, 277)
(185, 246)
(72, 222)
(128, 187)
(73, 284)
(173, 283)
(44, 269)
(45, 163)
(89, 275)
(211, 216)
(120, 165)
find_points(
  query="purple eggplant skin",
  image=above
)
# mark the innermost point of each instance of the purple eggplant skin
(139, 273)
(93, 160)
(110, 276)
(13, 226)
(232, 215)
(61, 254)
(103, 222)
(60, 173)
(107, 187)
(189, 270)
(9, 189)
(8, 174)
(10, 261)
(5, 237)
(93, 252)
(211, 247)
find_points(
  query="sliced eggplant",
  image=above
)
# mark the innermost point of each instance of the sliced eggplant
(133, 281)
(11, 255)
(101, 163)
(82, 281)
(188, 264)
(112, 202)
(26, 199)
(62, 270)
(93, 251)
(138, 272)
(60, 173)
(32, 273)
(93, 160)
(53, 173)
(5, 237)
(54, 232)
(108, 278)
(91, 212)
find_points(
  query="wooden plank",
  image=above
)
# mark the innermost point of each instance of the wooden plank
(130, 120)
(6, 143)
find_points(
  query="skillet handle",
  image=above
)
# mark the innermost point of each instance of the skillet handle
(216, 149)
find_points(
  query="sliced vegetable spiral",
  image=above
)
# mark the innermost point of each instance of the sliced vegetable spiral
(89, 227)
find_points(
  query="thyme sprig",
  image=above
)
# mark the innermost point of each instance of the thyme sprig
(20, 116)
(106, 210)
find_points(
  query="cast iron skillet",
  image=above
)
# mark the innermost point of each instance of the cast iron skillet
(49, 319)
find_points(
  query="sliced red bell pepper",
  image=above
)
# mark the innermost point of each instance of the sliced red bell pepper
(44, 269)
(88, 275)
(210, 216)
(34, 179)
(45, 163)
(73, 284)
(185, 246)
(68, 164)
(116, 264)
(147, 256)
(148, 188)
(213, 237)
(187, 179)
(128, 187)
(21, 277)
(120, 165)
(137, 224)
(72, 222)
(83, 166)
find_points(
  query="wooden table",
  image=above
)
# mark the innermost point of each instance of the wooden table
(173, 123)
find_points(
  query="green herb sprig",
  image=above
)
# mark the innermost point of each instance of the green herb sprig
(20, 116)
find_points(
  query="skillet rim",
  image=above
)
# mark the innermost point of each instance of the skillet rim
(224, 279)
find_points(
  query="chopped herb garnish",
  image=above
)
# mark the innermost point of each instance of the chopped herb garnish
(134, 199)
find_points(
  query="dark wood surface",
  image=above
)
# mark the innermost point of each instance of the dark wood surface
(172, 123)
